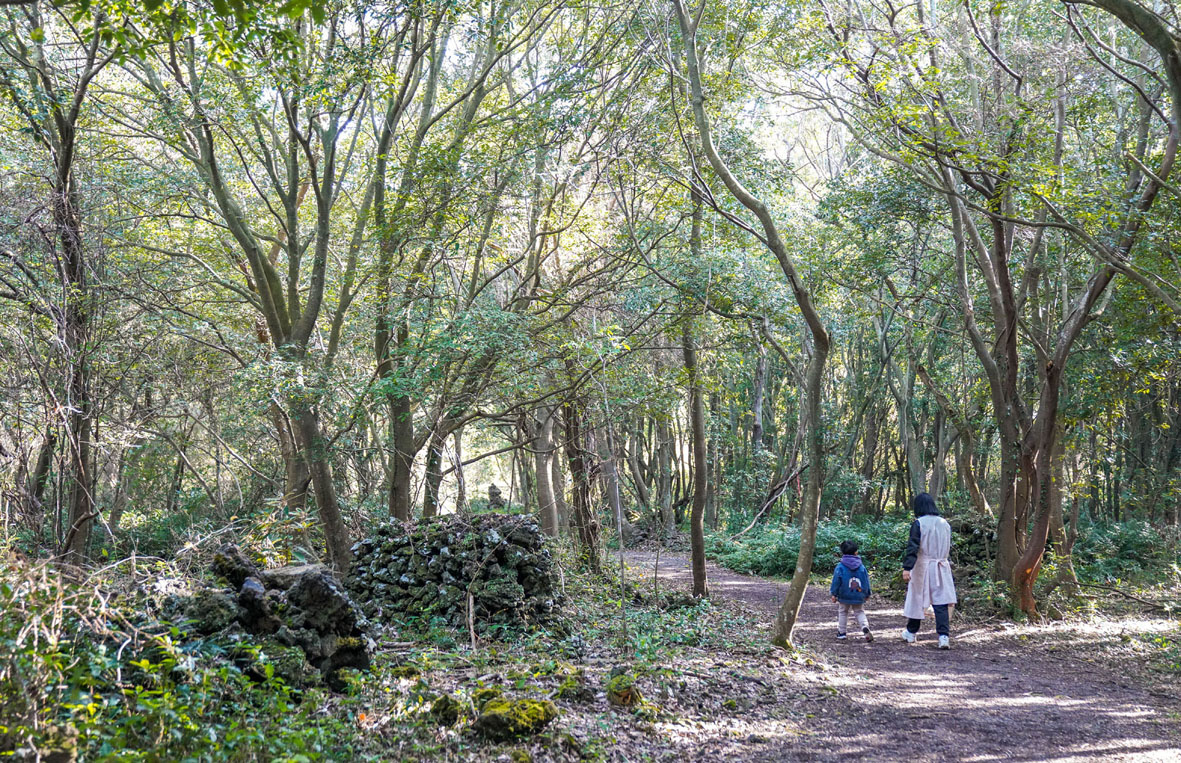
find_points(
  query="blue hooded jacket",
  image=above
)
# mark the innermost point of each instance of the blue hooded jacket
(849, 570)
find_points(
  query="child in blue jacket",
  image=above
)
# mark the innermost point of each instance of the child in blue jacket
(850, 589)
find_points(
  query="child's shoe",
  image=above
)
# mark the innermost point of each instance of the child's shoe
(908, 637)
(868, 636)
(841, 636)
(944, 642)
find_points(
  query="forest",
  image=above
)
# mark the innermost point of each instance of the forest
(498, 379)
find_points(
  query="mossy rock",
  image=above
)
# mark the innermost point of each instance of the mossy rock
(623, 692)
(445, 710)
(483, 696)
(404, 671)
(292, 665)
(504, 720)
(574, 688)
(212, 611)
(286, 662)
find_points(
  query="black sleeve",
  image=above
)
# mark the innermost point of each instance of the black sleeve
(912, 545)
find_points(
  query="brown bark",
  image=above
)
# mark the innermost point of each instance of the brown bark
(295, 491)
(583, 519)
(320, 468)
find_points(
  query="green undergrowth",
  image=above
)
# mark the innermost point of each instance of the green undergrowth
(772, 552)
(1131, 550)
(1165, 649)
(83, 677)
(1130, 556)
(87, 674)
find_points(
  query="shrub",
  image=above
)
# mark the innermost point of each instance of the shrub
(774, 552)
(1117, 550)
(1103, 552)
(80, 675)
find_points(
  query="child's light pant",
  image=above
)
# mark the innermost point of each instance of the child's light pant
(843, 611)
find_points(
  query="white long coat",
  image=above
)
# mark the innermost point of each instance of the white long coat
(930, 581)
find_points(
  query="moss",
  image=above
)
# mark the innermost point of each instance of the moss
(622, 691)
(212, 611)
(520, 756)
(481, 697)
(404, 671)
(445, 710)
(551, 668)
(730, 704)
(269, 658)
(574, 688)
(505, 720)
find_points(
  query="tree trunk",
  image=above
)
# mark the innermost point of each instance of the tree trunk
(963, 460)
(178, 473)
(944, 439)
(697, 427)
(712, 469)
(336, 536)
(35, 489)
(434, 473)
(547, 506)
(295, 493)
(583, 517)
(760, 384)
(664, 476)
(786, 616)
(610, 472)
(76, 336)
(869, 498)
(401, 437)
(460, 479)
(638, 476)
(119, 502)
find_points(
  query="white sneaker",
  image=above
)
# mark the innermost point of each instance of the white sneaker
(907, 636)
(944, 642)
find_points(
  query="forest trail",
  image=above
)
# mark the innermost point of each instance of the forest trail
(991, 697)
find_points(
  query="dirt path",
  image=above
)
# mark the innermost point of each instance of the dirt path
(991, 697)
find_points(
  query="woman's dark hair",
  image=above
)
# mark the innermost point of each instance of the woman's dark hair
(924, 505)
(849, 547)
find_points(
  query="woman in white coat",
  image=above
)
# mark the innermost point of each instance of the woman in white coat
(927, 571)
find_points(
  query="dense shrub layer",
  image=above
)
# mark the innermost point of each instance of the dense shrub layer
(773, 552)
(1107, 551)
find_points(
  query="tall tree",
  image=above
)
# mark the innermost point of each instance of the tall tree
(786, 617)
